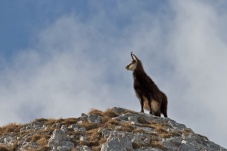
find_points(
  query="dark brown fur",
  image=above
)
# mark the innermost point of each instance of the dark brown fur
(151, 98)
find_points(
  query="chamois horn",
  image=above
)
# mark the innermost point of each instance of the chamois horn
(133, 56)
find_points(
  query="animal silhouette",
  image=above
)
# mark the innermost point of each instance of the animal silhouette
(149, 95)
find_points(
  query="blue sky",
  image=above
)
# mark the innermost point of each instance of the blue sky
(62, 58)
(26, 18)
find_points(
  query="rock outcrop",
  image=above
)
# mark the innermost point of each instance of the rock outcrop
(115, 129)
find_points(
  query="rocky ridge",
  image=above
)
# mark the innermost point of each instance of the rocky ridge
(115, 129)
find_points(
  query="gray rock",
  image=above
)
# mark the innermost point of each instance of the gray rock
(68, 144)
(84, 117)
(118, 110)
(58, 125)
(59, 141)
(73, 126)
(146, 133)
(83, 148)
(83, 138)
(94, 118)
(58, 134)
(133, 119)
(176, 125)
(127, 117)
(63, 148)
(64, 128)
(38, 125)
(148, 149)
(141, 138)
(172, 143)
(117, 143)
(145, 129)
(79, 129)
(106, 133)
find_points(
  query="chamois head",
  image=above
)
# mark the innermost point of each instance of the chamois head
(132, 66)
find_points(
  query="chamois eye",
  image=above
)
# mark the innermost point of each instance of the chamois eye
(133, 61)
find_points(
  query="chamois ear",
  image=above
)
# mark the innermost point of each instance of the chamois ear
(134, 56)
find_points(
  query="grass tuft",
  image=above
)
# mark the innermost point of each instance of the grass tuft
(110, 113)
(96, 111)
(12, 127)
(2, 148)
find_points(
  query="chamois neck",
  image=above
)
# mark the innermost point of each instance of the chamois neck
(139, 71)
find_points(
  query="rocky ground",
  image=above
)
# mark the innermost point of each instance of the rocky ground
(115, 129)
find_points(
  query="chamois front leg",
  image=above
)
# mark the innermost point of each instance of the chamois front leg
(149, 104)
(141, 103)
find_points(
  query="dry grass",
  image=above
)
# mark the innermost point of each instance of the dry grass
(159, 125)
(69, 121)
(35, 137)
(126, 127)
(43, 120)
(42, 141)
(88, 125)
(13, 127)
(186, 131)
(167, 134)
(9, 148)
(41, 138)
(92, 132)
(96, 111)
(138, 131)
(94, 139)
(52, 122)
(159, 129)
(107, 113)
(157, 144)
(110, 124)
(93, 136)
(104, 119)
(110, 113)
(3, 148)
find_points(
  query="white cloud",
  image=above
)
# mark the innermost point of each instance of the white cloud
(77, 65)
(199, 53)
(66, 73)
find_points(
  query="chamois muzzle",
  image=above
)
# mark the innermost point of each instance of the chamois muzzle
(133, 64)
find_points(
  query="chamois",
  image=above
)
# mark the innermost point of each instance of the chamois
(151, 98)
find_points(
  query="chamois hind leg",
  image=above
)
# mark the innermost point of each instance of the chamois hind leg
(141, 103)
(157, 113)
(164, 107)
(156, 108)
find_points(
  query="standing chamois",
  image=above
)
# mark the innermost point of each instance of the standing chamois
(151, 98)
